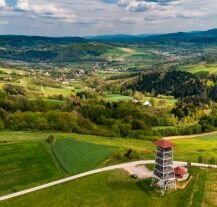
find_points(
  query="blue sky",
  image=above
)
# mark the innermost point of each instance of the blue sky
(96, 17)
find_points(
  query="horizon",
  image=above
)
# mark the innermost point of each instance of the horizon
(104, 17)
(115, 34)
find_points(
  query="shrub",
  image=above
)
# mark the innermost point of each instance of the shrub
(50, 139)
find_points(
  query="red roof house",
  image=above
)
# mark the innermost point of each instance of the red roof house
(180, 172)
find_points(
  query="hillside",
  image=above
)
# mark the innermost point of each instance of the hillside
(15, 41)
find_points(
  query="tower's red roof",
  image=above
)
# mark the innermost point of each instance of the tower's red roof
(164, 144)
(181, 171)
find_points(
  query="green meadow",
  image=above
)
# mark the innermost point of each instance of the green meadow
(117, 189)
(27, 160)
(117, 97)
(211, 68)
(75, 156)
(23, 165)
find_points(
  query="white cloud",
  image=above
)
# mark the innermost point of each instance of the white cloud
(48, 10)
(140, 6)
(90, 17)
(3, 4)
(23, 5)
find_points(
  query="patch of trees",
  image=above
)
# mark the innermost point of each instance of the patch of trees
(63, 53)
(172, 83)
(209, 122)
(188, 106)
(86, 116)
(180, 130)
(14, 90)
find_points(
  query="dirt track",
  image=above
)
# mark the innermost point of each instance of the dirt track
(189, 136)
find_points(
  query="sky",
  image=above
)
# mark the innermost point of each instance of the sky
(99, 17)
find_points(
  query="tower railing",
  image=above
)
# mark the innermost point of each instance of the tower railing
(164, 172)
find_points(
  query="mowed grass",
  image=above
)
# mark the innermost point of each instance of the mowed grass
(23, 165)
(117, 97)
(76, 156)
(117, 189)
(191, 149)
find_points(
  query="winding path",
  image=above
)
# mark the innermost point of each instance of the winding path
(120, 166)
(189, 136)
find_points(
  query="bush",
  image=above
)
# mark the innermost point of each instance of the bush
(14, 89)
(50, 139)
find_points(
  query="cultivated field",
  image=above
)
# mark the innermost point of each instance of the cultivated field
(23, 165)
(75, 156)
(117, 97)
(211, 68)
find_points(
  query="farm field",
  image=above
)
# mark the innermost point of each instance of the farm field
(26, 160)
(75, 156)
(23, 165)
(186, 149)
(211, 68)
(116, 186)
(117, 97)
(65, 91)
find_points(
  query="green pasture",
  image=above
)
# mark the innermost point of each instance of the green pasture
(76, 156)
(26, 160)
(165, 101)
(23, 165)
(117, 189)
(211, 68)
(186, 149)
(117, 97)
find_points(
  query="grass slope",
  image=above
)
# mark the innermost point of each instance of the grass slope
(76, 156)
(186, 149)
(117, 97)
(117, 189)
(211, 68)
(24, 165)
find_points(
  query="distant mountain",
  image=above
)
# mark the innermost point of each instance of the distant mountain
(66, 49)
(15, 41)
(121, 38)
(209, 36)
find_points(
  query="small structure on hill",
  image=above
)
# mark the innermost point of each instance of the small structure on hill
(181, 173)
(164, 173)
(147, 103)
(135, 101)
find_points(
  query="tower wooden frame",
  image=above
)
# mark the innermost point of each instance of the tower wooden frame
(164, 173)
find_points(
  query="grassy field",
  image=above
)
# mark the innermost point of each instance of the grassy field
(211, 68)
(117, 189)
(117, 97)
(166, 102)
(25, 159)
(25, 164)
(76, 156)
(186, 149)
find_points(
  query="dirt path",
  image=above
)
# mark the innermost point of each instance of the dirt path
(120, 166)
(42, 89)
(92, 172)
(189, 136)
(141, 171)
